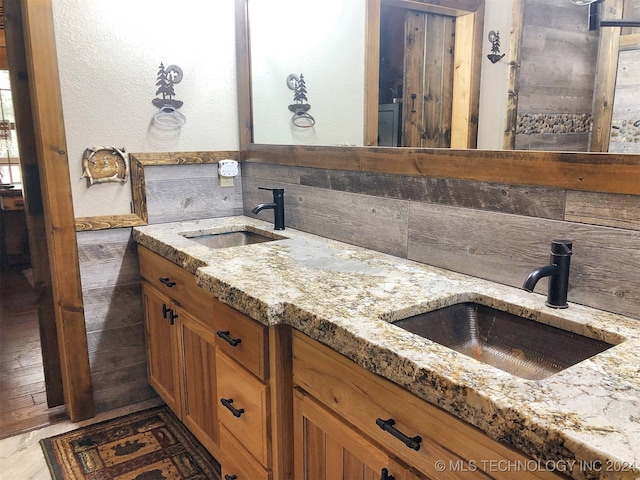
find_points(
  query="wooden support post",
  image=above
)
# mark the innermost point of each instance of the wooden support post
(46, 101)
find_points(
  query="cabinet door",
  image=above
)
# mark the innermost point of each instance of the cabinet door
(163, 357)
(326, 448)
(200, 400)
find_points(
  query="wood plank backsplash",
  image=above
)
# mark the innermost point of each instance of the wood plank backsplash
(497, 232)
(111, 278)
(113, 314)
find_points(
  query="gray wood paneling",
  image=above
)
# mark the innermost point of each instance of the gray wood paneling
(113, 306)
(555, 57)
(278, 173)
(189, 192)
(561, 142)
(113, 313)
(116, 348)
(523, 200)
(557, 70)
(107, 257)
(122, 394)
(372, 222)
(621, 211)
(505, 248)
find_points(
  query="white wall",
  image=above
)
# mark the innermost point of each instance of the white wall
(109, 53)
(325, 42)
(494, 77)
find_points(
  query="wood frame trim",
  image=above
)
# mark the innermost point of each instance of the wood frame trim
(372, 72)
(596, 172)
(513, 87)
(53, 163)
(243, 78)
(605, 79)
(137, 163)
(17, 61)
(466, 79)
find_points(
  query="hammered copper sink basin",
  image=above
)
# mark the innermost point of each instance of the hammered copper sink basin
(231, 239)
(514, 344)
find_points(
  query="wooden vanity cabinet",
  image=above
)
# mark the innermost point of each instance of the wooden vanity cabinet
(180, 336)
(329, 448)
(244, 394)
(336, 399)
(212, 365)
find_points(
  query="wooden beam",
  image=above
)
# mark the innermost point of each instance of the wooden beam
(33, 202)
(84, 224)
(466, 80)
(605, 79)
(452, 8)
(53, 163)
(243, 77)
(605, 172)
(515, 42)
(372, 73)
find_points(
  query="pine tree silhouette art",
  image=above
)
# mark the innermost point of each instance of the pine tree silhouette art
(165, 88)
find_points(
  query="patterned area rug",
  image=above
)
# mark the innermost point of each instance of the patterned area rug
(148, 445)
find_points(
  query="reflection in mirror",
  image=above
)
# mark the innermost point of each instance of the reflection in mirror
(323, 39)
(540, 96)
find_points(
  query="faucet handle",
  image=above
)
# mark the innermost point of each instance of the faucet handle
(561, 247)
(276, 191)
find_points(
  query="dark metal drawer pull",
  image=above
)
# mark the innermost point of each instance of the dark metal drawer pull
(172, 317)
(224, 334)
(227, 403)
(167, 282)
(230, 477)
(165, 311)
(388, 426)
(384, 475)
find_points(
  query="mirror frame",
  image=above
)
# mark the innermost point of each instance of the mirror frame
(585, 171)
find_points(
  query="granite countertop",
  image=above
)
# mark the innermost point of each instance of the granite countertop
(585, 419)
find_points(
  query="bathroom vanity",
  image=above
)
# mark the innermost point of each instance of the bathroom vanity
(283, 358)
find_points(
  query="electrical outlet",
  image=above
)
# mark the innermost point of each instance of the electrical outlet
(226, 181)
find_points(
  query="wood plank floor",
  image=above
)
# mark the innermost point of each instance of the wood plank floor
(23, 402)
(25, 418)
(21, 456)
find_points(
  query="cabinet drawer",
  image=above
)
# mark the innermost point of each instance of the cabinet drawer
(175, 282)
(12, 203)
(236, 461)
(243, 407)
(242, 338)
(365, 400)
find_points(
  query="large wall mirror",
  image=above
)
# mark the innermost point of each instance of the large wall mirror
(487, 74)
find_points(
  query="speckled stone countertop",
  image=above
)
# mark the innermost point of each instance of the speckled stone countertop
(585, 418)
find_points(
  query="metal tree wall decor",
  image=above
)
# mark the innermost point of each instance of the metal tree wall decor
(168, 114)
(300, 107)
(494, 38)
